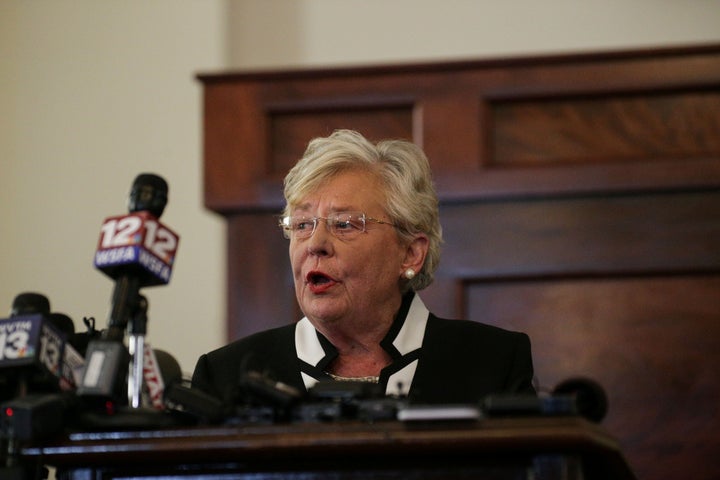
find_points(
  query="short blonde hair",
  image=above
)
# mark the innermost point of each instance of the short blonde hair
(411, 202)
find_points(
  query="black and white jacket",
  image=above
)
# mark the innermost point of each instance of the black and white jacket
(434, 360)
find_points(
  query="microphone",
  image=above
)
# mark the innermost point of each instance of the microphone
(589, 396)
(136, 251)
(169, 368)
(30, 303)
(575, 396)
(23, 304)
(160, 369)
(189, 404)
(34, 352)
(73, 361)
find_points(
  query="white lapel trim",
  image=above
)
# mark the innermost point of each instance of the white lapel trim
(308, 346)
(411, 334)
(409, 338)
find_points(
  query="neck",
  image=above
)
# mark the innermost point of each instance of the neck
(367, 363)
(359, 355)
(358, 342)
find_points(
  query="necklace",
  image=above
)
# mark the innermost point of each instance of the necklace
(368, 379)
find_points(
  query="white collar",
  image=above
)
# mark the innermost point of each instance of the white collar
(410, 333)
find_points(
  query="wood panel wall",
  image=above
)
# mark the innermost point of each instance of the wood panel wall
(580, 200)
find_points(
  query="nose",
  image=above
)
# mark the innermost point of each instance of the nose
(320, 242)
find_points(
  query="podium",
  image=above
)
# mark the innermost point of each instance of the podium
(566, 448)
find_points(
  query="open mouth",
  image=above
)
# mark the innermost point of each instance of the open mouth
(319, 282)
(318, 278)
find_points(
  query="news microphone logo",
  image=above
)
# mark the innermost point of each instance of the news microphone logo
(154, 381)
(137, 242)
(30, 340)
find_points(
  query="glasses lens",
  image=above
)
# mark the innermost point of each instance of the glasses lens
(302, 226)
(298, 226)
(347, 224)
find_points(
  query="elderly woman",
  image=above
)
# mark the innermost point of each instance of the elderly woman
(364, 237)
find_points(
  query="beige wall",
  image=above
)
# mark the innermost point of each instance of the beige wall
(93, 92)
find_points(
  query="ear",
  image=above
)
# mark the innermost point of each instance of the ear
(415, 253)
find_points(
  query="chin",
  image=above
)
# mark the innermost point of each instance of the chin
(322, 310)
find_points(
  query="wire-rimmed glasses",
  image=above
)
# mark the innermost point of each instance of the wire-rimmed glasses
(343, 225)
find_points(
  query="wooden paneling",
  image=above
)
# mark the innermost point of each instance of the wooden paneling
(291, 129)
(580, 201)
(653, 342)
(650, 127)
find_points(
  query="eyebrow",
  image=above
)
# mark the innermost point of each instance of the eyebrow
(306, 207)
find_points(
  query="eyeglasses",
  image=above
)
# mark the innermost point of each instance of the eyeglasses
(344, 225)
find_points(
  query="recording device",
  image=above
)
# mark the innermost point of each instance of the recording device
(136, 251)
(35, 417)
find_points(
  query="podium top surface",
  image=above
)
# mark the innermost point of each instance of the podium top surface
(340, 441)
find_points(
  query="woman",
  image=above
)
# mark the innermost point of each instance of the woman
(364, 232)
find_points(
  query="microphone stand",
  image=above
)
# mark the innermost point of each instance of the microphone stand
(106, 370)
(136, 345)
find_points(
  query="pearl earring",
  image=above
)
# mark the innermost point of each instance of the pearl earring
(409, 273)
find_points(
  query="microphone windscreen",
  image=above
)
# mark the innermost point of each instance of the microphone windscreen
(62, 322)
(590, 398)
(30, 303)
(148, 192)
(169, 367)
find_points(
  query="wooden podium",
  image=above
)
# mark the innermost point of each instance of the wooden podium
(502, 448)
(579, 200)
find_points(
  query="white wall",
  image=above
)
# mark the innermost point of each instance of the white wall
(331, 32)
(93, 92)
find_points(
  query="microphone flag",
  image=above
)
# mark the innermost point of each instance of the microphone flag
(32, 342)
(138, 244)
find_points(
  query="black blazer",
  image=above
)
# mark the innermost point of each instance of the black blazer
(460, 361)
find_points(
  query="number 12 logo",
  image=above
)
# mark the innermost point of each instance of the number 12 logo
(139, 230)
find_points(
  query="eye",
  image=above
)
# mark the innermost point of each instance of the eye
(301, 224)
(342, 224)
(347, 223)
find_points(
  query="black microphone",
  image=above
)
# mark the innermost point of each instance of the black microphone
(30, 303)
(34, 354)
(62, 322)
(578, 396)
(590, 398)
(169, 367)
(135, 250)
(160, 369)
(73, 358)
(189, 404)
